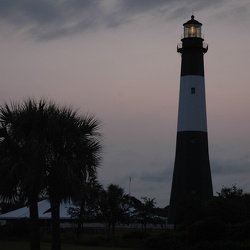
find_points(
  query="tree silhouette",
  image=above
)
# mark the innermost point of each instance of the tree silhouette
(231, 205)
(73, 153)
(114, 206)
(46, 149)
(146, 211)
(86, 207)
(22, 156)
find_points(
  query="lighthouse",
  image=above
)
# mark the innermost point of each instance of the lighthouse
(192, 175)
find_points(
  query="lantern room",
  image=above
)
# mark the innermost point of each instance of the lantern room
(192, 28)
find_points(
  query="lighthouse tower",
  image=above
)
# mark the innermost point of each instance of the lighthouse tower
(192, 175)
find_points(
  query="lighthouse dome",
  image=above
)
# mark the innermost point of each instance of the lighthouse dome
(192, 21)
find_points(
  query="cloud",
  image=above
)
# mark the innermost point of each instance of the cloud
(142, 6)
(161, 175)
(159, 5)
(235, 167)
(46, 19)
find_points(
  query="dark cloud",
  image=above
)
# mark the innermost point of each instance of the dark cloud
(240, 166)
(145, 5)
(142, 6)
(25, 11)
(170, 9)
(220, 169)
(46, 19)
(160, 175)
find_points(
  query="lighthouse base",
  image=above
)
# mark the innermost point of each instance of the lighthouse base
(192, 175)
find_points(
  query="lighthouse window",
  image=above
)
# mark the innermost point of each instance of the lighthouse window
(192, 91)
(193, 192)
(192, 141)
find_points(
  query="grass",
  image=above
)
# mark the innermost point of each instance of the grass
(21, 245)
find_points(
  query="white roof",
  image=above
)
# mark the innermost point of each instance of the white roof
(43, 206)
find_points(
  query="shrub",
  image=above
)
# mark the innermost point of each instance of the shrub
(98, 240)
(165, 241)
(137, 235)
(240, 231)
(207, 229)
(18, 229)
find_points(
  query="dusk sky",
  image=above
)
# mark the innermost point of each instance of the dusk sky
(117, 59)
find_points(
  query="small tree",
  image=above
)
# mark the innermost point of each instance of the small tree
(146, 211)
(86, 207)
(230, 192)
(114, 206)
(230, 205)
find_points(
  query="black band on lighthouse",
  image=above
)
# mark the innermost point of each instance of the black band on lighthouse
(192, 56)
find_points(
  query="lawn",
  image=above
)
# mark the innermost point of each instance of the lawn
(20, 245)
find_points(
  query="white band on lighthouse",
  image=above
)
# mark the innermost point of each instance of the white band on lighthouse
(192, 104)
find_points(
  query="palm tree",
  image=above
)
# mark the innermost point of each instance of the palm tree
(73, 154)
(146, 210)
(86, 208)
(46, 148)
(22, 161)
(116, 206)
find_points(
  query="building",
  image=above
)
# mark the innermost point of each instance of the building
(192, 175)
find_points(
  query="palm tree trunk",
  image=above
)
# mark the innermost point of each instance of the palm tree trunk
(80, 220)
(34, 224)
(55, 214)
(113, 227)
